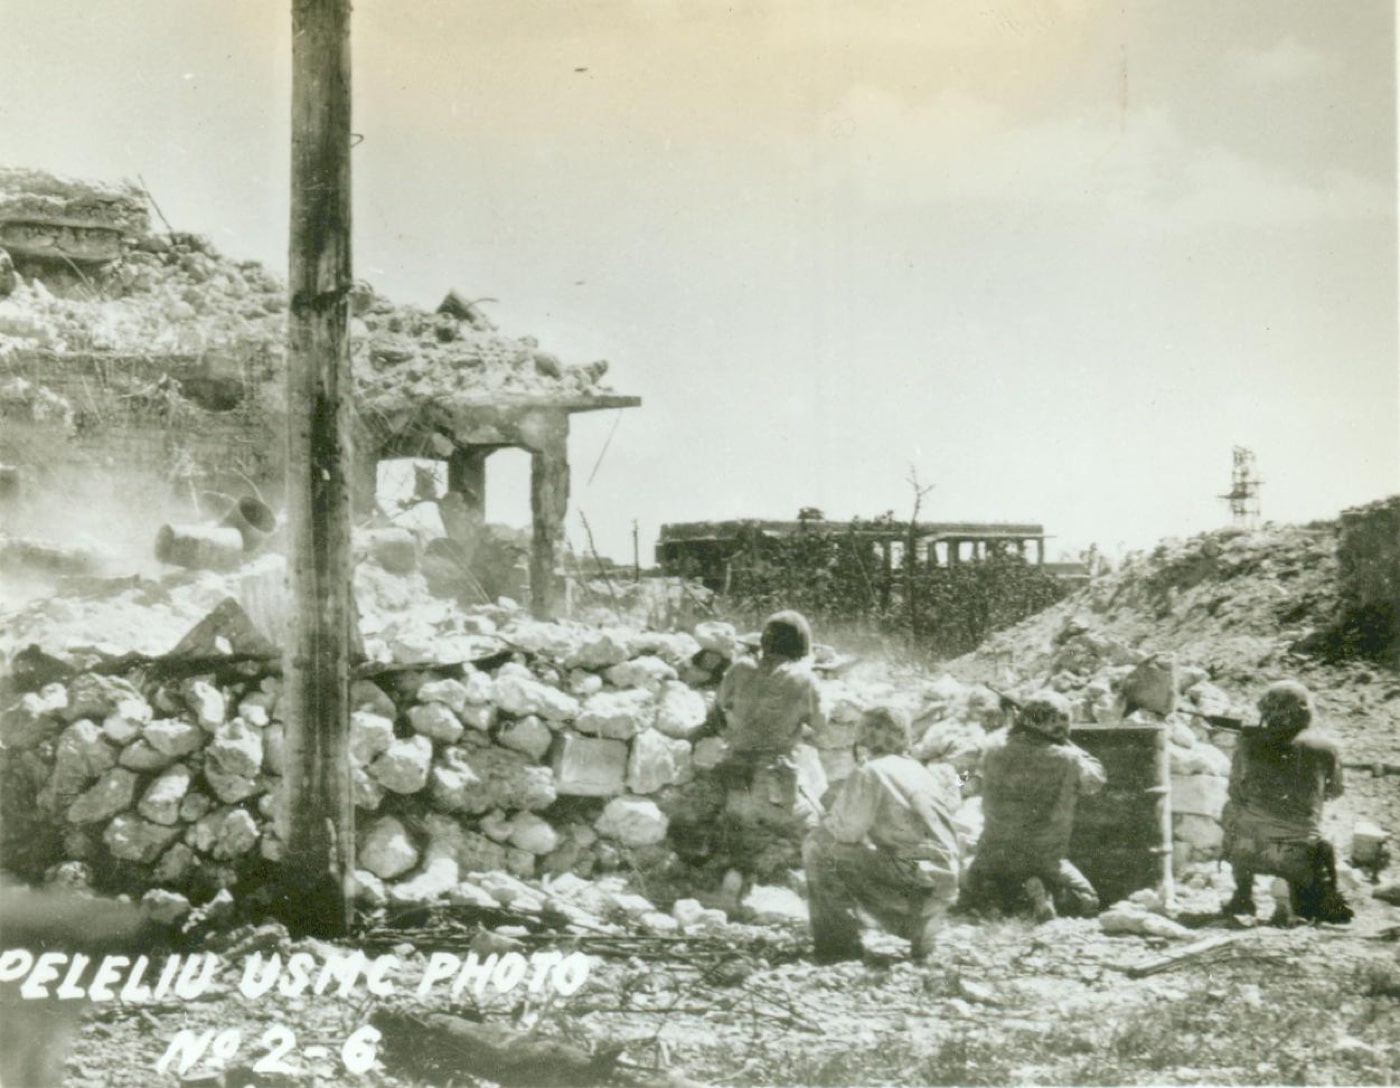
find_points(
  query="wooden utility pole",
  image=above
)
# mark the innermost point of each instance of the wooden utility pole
(318, 811)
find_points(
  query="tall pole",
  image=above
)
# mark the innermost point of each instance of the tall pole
(318, 810)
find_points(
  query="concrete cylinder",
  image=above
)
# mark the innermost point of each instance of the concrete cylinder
(254, 521)
(200, 547)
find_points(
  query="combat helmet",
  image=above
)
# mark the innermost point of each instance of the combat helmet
(1286, 706)
(883, 731)
(1047, 713)
(787, 634)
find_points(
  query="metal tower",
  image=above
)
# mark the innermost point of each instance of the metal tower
(1243, 495)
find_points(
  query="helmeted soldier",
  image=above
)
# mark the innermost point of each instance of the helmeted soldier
(1281, 776)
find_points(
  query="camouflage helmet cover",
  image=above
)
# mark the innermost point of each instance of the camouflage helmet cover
(1048, 713)
(1286, 704)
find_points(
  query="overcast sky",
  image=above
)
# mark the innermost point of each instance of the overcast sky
(1058, 257)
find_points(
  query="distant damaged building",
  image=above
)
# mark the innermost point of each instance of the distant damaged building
(145, 362)
(711, 550)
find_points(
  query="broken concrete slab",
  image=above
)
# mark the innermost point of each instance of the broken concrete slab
(590, 766)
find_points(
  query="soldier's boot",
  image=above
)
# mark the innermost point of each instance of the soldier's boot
(1042, 906)
(925, 934)
(1242, 902)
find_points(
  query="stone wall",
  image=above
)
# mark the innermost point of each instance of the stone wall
(561, 760)
(1368, 557)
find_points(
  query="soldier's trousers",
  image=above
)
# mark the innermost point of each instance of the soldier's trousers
(906, 896)
(1002, 886)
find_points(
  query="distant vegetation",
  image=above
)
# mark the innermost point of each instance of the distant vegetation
(838, 578)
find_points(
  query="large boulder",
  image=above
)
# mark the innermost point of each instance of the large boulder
(386, 849)
(656, 761)
(370, 734)
(131, 838)
(95, 696)
(163, 797)
(681, 711)
(528, 735)
(521, 695)
(110, 795)
(599, 650)
(173, 737)
(436, 720)
(403, 766)
(648, 673)
(632, 821)
(617, 715)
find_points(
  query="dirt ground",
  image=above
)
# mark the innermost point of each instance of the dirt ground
(999, 1002)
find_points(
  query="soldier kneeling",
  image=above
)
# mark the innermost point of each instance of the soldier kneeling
(887, 844)
(1281, 776)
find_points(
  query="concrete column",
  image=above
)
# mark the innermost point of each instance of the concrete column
(1040, 551)
(549, 505)
(466, 475)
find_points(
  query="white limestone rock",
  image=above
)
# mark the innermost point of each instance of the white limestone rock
(710, 752)
(648, 673)
(370, 734)
(583, 683)
(1199, 794)
(365, 792)
(617, 715)
(93, 695)
(528, 735)
(632, 821)
(718, 636)
(450, 693)
(206, 703)
(81, 754)
(386, 849)
(438, 878)
(403, 766)
(173, 737)
(532, 834)
(131, 838)
(236, 750)
(436, 721)
(111, 794)
(654, 762)
(163, 797)
(681, 711)
(599, 650)
(174, 866)
(164, 907)
(519, 696)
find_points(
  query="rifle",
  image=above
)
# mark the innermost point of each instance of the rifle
(1235, 725)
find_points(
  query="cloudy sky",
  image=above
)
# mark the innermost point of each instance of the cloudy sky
(1056, 256)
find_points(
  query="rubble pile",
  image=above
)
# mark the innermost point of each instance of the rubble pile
(143, 292)
(1232, 601)
(1227, 613)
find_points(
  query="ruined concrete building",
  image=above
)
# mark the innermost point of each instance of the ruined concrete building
(707, 549)
(143, 362)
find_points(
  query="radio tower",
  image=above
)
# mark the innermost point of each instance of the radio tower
(1243, 495)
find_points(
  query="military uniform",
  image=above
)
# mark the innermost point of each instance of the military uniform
(888, 845)
(1031, 784)
(1281, 776)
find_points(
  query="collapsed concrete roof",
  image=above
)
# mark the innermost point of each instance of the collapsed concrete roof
(90, 276)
